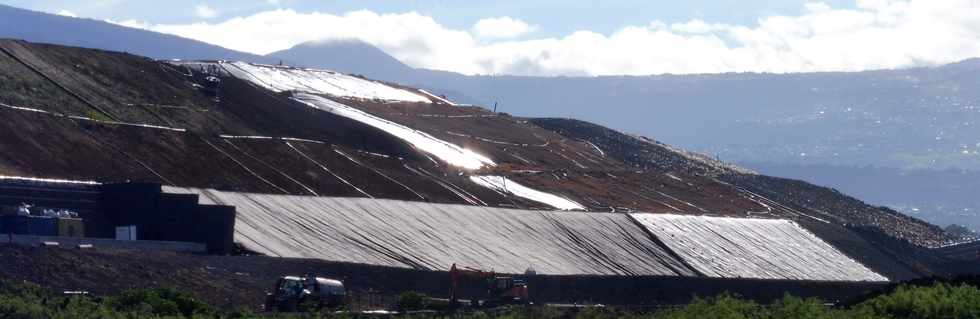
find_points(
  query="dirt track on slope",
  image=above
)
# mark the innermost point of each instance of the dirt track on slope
(241, 281)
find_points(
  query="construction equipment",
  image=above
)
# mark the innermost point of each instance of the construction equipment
(294, 293)
(501, 290)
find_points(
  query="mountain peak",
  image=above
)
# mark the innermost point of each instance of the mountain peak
(347, 56)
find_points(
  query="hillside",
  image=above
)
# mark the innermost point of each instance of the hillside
(950, 193)
(911, 118)
(230, 126)
(914, 123)
(914, 118)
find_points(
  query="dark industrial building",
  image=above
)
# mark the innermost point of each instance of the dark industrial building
(100, 209)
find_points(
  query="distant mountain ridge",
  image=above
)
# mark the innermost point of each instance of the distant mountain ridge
(88, 33)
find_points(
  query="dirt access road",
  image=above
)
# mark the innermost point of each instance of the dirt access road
(234, 282)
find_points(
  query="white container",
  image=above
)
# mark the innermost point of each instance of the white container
(126, 232)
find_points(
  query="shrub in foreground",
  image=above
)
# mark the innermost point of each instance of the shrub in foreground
(939, 300)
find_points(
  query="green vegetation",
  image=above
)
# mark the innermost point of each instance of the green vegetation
(939, 300)
(30, 301)
(410, 300)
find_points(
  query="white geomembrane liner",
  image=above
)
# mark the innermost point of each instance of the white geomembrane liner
(278, 78)
(505, 185)
(325, 82)
(434, 236)
(24, 179)
(753, 248)
(448, 152)
(438, 98)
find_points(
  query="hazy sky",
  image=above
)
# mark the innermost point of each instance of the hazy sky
(549, 37)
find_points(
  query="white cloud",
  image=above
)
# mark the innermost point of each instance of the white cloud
(132, 23)
(204, 11)
(876, 34)
(502, 28)
(816, 6)
(67, 13)
(698, 26)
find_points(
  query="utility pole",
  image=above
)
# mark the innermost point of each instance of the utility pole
(495, 107)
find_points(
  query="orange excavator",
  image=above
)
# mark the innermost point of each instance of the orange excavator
(501, 290)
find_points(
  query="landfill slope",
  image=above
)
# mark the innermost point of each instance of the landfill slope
(448, 152)
(279, 79)
(434, 236)
(753, 248)
(111, 117)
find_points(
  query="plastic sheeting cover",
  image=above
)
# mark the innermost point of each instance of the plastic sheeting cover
(448, 152)
(505, 185)
(753, 248)
(434, 236)
(280, 79)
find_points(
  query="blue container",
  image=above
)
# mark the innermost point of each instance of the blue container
(14, 224)
(29, 225)
(43, 226)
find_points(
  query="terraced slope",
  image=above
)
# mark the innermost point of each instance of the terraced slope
(554, 172)
(434, 236)
(753, 248)
(165, 128)
(791, 199)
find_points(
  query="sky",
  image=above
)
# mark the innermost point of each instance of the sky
(550, 37)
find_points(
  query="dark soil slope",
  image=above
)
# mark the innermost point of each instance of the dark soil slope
(92, 131)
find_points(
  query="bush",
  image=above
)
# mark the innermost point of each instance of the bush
(940, 300)
(595, 313)
(159, 302)
(724, 306)
(411, 300)
(31, 301)
(935, 301)
(791, 307)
